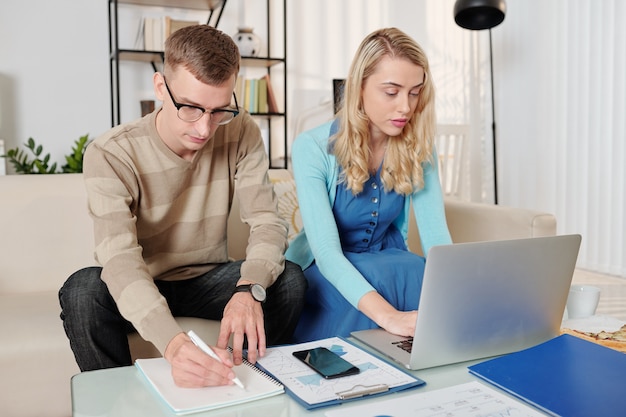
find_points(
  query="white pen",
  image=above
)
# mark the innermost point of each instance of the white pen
(206, 349)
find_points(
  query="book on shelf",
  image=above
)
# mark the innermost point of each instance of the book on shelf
(148, 34)
(262, 106)
(172, 25)
(140, 36)
(256, 95)
(240, 90)
(251, 95)
(157, 29)
(158, 374)
(272, 106)
(247, 94)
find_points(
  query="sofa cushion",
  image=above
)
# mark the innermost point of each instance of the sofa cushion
(285, 189)
(288, 208)
(39, 356)
(44, 224)
(38, 362)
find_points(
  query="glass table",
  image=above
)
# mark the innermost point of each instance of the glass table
(123, 392)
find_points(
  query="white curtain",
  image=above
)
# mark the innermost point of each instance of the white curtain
(561, 113)
(460, 67)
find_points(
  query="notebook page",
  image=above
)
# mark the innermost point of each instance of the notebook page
(188, 400)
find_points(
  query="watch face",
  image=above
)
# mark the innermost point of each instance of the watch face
(258, 292)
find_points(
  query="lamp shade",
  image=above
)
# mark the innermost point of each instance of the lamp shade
(479, 14)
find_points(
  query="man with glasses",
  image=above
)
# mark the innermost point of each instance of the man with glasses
(160, 191)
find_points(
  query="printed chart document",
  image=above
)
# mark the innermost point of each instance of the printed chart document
(376, 377)
(472, 399)
(190, 400)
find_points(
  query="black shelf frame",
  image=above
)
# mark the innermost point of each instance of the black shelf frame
(155, 58)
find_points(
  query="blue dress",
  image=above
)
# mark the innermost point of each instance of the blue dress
(377, 249)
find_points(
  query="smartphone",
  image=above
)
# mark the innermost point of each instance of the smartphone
(326, 363)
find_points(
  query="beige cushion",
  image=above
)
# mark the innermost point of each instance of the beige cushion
(288, 208)
(45, 231)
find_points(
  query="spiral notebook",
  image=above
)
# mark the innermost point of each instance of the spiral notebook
(257, 384)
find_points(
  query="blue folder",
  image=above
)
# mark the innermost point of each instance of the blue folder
(565, 376)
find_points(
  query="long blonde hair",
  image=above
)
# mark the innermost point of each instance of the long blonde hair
(402, 167)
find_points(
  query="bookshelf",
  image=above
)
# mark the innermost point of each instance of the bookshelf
(272, 62)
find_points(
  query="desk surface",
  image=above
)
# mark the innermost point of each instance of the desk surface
(123, 392)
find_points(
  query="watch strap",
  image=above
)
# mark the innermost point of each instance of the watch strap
(248, 288)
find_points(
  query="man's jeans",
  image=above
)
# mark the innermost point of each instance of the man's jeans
(98, 333)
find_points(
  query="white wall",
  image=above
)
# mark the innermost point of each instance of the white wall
(54, 72)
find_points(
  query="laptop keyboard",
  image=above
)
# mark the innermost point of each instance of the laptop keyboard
(406, 344)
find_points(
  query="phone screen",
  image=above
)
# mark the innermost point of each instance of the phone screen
(326, 363)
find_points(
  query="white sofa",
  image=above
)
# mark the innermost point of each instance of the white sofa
(46, 234)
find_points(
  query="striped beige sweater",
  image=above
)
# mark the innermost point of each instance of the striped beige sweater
(159, 217)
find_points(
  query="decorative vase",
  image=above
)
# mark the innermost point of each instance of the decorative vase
(214, 4)
(248, 42)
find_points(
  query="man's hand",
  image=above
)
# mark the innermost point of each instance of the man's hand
(192, 368)
(243, 315)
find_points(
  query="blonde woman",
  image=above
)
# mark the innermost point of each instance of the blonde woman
(356, 178)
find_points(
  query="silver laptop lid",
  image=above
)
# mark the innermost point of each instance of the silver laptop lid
(491, 298)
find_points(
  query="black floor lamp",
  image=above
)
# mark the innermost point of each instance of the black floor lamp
(479, 15)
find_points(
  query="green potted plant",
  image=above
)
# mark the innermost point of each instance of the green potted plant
(34, 163)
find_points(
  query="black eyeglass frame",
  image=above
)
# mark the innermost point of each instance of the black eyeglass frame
(178, 106)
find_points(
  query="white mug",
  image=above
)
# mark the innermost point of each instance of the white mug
(582, 301)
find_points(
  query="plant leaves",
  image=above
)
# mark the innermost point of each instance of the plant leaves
(24, 165)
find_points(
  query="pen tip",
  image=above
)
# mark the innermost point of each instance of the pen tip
(238, 382)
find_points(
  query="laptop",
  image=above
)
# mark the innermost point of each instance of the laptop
(485, 299)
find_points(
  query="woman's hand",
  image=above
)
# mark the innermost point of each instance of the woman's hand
(374, 306)
(401, 323)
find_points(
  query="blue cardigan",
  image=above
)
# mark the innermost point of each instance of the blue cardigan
(316, 173)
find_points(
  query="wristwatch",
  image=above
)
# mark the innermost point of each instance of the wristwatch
(256, 290)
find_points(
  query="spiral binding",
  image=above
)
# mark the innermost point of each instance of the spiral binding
(259, 370)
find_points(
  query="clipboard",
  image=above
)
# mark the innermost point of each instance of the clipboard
(362, 391)
(377, 377)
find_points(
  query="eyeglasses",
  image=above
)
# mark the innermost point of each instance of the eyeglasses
(191, 113)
